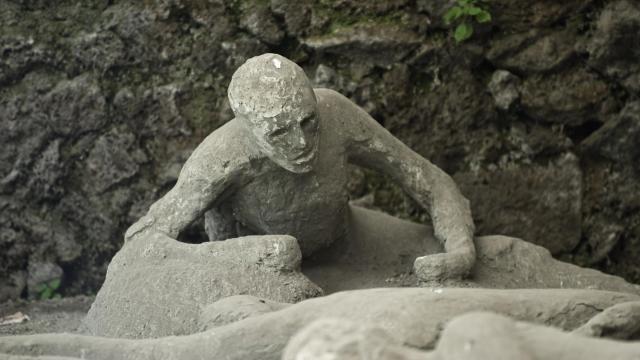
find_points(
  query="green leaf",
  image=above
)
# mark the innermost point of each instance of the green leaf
(46, 294)
(54, 284)
(452, 14)
(464, 2)
(463, 32)
(474, 10)
(483, 17)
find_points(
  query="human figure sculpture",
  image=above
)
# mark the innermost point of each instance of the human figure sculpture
(246, 328)
(475, 335)
(280, 167)
(273, 183)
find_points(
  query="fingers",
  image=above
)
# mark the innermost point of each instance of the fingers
(444, 266)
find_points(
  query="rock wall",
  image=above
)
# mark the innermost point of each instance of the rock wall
(101, 101)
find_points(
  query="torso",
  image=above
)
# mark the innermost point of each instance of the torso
(310, 206)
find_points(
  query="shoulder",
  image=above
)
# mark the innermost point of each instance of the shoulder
(337, 108)
(354, 121)
(328, 97)
(225, 150)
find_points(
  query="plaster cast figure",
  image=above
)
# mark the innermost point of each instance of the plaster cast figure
(475, 335)
(280, 167)
(247, 328)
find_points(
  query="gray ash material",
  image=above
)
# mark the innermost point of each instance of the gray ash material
(381, 249)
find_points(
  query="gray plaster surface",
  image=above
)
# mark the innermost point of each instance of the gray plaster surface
(621, 321)
(476, 335)
(158, 287)
(416, 316)
(380, 251)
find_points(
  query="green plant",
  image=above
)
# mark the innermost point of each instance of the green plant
(464, 13)
(48, 290)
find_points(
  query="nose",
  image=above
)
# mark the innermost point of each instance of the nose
(302, 142)
(297, 140)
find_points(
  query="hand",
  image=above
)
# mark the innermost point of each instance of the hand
(444, 266)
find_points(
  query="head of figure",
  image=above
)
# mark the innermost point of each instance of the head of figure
(274, 97)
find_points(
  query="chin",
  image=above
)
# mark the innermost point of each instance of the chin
(298, 168)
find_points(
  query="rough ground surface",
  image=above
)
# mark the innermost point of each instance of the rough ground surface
(102, 101)
(416, 316)
(56, 315)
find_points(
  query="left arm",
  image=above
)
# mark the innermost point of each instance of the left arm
(372, 146)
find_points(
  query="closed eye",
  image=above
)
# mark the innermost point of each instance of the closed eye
(278, 132)
(308, 120)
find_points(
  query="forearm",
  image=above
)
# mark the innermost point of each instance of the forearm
(219, 163)
(183, 204)
(451, 214)
(427, 184)
(161, 217)
(372, 146)
(437, 193)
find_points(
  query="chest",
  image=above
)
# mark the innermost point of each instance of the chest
(280, 194)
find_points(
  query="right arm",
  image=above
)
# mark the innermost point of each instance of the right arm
(216, 165)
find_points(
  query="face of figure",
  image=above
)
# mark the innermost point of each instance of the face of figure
(273, 96)
(289, 139)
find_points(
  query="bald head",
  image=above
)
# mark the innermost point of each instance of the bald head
(273, 96)
(270, 86)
